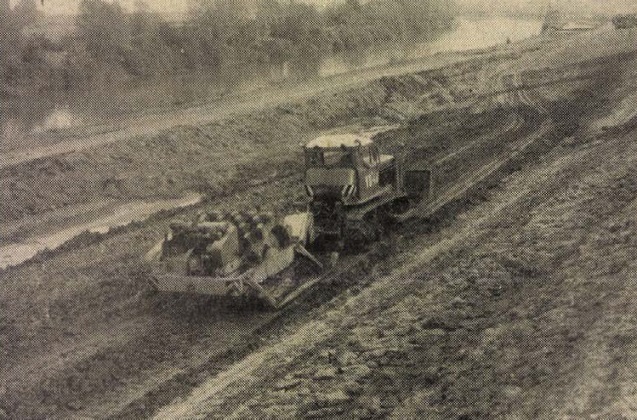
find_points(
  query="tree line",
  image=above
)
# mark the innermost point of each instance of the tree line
(111, 44)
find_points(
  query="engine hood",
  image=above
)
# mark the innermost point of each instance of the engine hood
(336, 177)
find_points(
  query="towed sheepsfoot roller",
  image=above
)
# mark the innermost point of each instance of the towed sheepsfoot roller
(231, 255)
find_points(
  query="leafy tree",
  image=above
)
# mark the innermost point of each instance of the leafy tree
(10, 37)
(113, 43)
(104, 28)
(149, 54)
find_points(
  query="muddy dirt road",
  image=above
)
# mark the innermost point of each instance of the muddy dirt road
(516, 298)
(521, 307)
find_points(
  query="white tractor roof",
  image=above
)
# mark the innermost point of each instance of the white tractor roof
(340, 140)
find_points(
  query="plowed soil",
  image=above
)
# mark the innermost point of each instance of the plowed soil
(517, 299)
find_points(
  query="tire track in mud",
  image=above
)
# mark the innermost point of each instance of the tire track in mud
(143, 406)
(187, 357)
(515, 124)
(524, 94)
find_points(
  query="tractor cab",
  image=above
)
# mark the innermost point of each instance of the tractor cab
(348, 168)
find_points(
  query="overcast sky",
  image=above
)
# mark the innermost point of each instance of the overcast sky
(70, 6)
(168, 6)
(176, 6)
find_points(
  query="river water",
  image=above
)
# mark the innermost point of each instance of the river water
(106, 103)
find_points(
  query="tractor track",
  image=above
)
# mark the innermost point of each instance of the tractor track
(516, 123)
(188, 352)
(177, 383)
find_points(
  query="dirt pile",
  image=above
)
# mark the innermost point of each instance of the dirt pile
(524, 307)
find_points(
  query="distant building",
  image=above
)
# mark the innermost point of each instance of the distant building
(553, 20)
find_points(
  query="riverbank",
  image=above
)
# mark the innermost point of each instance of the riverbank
(216, 159)
(85, 114)
(206, 156)
(18, 247)
(111, 45)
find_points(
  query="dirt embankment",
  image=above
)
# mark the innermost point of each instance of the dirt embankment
(485, 286)
(206, 159)
(211, 158)
(49, 304)
(523, 307)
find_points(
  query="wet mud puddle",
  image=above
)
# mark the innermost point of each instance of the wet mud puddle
(19, 252)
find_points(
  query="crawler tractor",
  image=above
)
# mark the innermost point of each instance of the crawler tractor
(354, 188)
(351, 186)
